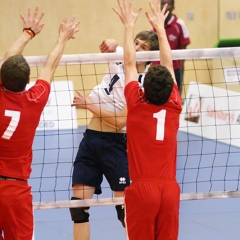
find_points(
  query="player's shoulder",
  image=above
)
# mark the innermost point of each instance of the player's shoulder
(132, 87)
(38, 89)
(40, 83)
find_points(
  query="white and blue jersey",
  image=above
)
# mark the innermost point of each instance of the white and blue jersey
(109, 94)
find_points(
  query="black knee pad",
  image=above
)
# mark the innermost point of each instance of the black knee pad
(121, 214)
(78, 214)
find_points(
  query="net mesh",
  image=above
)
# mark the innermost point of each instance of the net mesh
(208, 139)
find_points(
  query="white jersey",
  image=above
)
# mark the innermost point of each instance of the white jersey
(109, 94)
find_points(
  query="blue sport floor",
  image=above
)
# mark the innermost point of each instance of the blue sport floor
(199, 220)
(214, 165)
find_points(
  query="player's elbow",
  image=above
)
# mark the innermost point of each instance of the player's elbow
(121, 123)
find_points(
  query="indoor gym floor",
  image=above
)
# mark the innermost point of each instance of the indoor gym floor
(199, 219)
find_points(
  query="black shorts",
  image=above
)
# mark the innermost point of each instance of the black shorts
(102, 153)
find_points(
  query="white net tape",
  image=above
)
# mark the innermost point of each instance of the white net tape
(207, 53)
(120, 200)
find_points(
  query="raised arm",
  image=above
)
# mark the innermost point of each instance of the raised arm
(114, 119)
(128, 18)
(66, 32)
(157, 22)
(31, 27)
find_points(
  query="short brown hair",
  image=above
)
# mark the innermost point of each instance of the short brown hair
(150, 37)
(15, 73)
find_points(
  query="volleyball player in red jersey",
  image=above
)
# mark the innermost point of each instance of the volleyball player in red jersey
(20, 112)
(152, 200)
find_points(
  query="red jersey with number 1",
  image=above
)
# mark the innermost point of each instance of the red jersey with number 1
(19, 117)
(152, 135)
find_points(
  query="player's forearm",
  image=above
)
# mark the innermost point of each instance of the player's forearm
(116, 122)
(52, 61)
(18, 47)
(129, 48)
(129, 55)
(56, 53)
(165, 51)
(115, 119)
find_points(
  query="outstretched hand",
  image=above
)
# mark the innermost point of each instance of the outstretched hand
(81, 101)
(68, 29)
(158, 16)
(125, 13)
(32, 21)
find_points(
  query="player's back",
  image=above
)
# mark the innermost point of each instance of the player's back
(19, 117)
(152, 144)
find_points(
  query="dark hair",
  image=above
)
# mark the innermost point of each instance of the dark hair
(15, 73)
(170, 3)
(158, 85)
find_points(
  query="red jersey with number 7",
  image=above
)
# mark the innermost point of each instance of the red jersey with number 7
(19, 117)
(152, 135)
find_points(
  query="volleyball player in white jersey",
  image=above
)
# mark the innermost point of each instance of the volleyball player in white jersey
(102, 150)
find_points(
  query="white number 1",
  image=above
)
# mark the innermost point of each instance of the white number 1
(15, 115)
(160, 116)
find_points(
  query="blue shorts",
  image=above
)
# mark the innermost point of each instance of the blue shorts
(102, 153)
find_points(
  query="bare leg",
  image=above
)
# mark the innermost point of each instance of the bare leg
(81, 231)
(119, 194)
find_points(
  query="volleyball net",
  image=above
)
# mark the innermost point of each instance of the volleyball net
(208, 163)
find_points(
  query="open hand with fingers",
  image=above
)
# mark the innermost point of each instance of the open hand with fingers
(81, 101)
(32, 22)
(126, 14)
(68, 29)
(158, 16)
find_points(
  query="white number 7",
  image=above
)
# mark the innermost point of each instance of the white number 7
(160, 116)
(13, 123)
